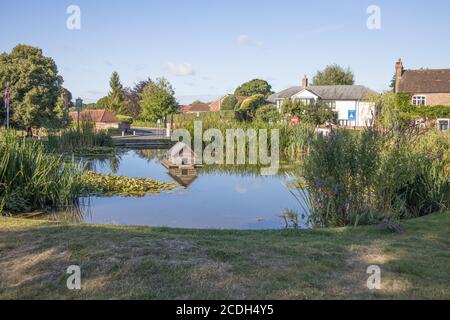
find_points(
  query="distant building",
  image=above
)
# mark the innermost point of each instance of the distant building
(428, 87)
(351, 102)
(196, 108)
(102, 118)
(217, 105)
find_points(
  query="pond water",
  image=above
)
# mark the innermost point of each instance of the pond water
(215, 198)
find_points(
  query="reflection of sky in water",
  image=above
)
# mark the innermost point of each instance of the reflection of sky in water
(214, 200)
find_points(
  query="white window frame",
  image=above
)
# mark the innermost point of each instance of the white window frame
(419, 98)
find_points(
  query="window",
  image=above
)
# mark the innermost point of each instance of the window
(419, 100)
(443, 124)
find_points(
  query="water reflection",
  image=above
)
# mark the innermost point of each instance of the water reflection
(217, 197)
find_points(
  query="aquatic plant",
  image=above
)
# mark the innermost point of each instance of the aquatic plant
(372, 176)
(107, 184)
(31, 179)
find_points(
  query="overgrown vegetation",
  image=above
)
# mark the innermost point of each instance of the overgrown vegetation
(356, 178)
(81, 140)
(107, 184)
(31, 179)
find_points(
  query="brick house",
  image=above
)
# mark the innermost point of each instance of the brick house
(102, 118)
(429, 87)
(196, 108)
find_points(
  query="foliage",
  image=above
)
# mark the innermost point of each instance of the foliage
(124, 118)
(158, 100)
(102, 184)
(373, 175)
(315, 113)
(102, 103)
(35, 87)
(334, 75)
(72, 139)
(248, 107)
(229, 103)
(254, 87)
(133, 97)
(30, 179)
(116, 94)
(267, 113)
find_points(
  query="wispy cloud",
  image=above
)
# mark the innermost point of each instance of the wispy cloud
(181, 69)
(245, 40)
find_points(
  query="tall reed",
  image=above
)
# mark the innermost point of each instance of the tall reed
(31, 179)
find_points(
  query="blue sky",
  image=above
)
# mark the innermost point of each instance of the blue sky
(208, 47)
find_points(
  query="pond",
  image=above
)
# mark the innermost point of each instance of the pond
(214, 198)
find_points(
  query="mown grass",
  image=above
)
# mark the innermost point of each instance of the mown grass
(161, 263)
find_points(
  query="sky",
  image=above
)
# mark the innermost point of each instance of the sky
(206, 48)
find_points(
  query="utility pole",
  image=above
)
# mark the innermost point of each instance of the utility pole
(6, 101)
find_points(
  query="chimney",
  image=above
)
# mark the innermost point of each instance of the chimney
(305, 82)
(398, 74)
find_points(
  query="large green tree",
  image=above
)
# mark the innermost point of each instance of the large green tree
(334, 75)
(116, 94)
(158, 100)
(35, 87)
(253, 87)
(229, 102)
(247, 109)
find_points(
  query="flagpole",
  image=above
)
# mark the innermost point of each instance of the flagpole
(6, 100)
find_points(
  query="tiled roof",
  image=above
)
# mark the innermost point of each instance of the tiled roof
(197, 107)
(100, 115)
(425, 81)
(336, 92)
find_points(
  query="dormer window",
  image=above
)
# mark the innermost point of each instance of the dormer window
(419, 100)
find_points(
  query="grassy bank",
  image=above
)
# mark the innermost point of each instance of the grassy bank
(155, 263)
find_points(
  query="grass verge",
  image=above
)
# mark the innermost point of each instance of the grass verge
(160, 263)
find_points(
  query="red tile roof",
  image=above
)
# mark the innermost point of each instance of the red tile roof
(100, 115)
(198, 107)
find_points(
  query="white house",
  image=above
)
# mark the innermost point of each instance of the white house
(349, 101)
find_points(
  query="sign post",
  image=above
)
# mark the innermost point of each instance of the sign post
(6, 101)
(79, 105)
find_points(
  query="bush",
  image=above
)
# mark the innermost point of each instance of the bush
(267, 113)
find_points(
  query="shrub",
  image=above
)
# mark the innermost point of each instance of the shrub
(267, 113)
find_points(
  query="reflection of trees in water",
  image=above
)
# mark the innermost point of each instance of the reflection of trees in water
(151, 154)
(76, 213)
(110, 161)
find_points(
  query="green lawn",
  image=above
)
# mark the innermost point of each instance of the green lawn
(154, 263)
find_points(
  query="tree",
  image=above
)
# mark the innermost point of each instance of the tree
(247, 109)
(35, 86)
(253, 87)
(267, 113)
(334, 75)
(133, 97)
(116, 94)
(102, 103)
(61, 111)
(315, 113)
(158, 100)
(229, 102)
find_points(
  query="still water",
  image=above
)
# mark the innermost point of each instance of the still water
(216, 198)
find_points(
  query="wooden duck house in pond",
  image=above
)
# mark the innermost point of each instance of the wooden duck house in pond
(180, 161)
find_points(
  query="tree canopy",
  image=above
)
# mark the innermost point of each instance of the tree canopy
(229, 103)
(158, 100)
(334, 75)
(253, 87)
(35, 87)
(247, 109)
(314, 113)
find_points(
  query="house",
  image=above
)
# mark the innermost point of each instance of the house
(197, 108)
(102, 118)
(217, 105)
(429, 87)
(351, 102)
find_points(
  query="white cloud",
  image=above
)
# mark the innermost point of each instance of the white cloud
(244, 40)
(182, 69)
